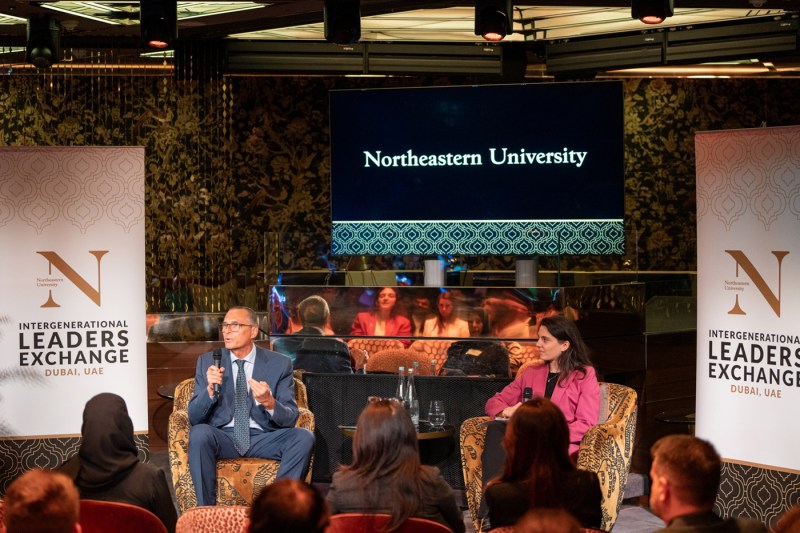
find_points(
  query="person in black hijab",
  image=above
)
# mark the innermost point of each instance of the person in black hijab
(107, 466)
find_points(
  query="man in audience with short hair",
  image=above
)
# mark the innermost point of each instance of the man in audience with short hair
(308, 347)
(685, 477)
(289, 505)
(41, 501)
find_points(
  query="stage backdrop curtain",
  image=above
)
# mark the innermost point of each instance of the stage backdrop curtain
(72, 317)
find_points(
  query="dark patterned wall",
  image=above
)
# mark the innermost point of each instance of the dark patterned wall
(20, 455)
(755, 492)
(237, 168)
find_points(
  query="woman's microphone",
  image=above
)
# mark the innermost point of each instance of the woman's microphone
(527, 394)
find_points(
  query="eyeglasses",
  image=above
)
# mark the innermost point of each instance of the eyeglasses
(234, 326)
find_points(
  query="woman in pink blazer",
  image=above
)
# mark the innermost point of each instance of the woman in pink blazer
(567, 378)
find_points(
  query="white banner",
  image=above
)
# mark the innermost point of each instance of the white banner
(748, 284)
(72, 280)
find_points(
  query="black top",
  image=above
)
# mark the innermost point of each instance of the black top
(552, 379)
(476, 358)
(107, 466)
(312, 352)
(708, 522)
(348, 494)
(580, 495)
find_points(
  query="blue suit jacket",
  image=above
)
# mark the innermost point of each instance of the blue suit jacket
(273, 368)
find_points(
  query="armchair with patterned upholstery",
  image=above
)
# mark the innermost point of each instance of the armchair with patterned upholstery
(388, 361)
(214, 519)
(238, 480)
(605, 449)
(435, 349)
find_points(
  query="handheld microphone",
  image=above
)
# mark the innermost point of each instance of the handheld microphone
(217, 357)
(527, 394)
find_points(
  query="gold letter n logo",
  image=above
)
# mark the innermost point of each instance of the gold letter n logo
(55, 260)
(758, 280)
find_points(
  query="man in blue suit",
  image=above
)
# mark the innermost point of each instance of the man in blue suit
(267, 411)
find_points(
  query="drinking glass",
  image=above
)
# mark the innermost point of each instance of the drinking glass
(436, 414)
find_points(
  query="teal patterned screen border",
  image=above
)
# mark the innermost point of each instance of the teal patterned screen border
(518, 237)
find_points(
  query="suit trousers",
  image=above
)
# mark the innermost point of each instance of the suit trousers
(207, 444)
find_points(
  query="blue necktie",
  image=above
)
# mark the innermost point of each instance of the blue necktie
(241, 414)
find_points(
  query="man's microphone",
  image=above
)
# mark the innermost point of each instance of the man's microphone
(217, 357)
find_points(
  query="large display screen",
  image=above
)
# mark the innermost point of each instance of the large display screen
(492, 169)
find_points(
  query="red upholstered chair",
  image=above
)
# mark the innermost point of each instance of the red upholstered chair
(1, 510)
(213, 519)
(374, 523)
(102, 517)
(510, 529)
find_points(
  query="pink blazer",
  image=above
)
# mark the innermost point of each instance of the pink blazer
(578, 399)
(396, 326)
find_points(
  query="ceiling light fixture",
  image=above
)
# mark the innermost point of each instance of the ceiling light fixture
(158, 20)
(493, 19)
(342, 21)
(652, 11)
(43, 41)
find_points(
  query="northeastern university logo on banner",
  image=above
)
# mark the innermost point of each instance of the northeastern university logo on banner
(73, 347)
(757, 362)
(55, 261)
(738, 285)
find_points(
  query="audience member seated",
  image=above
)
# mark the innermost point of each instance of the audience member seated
(289, 505)
(508, 315)
(685, 476)
(420, 312)
(478, 323)
(547, 521)
(446, 323)
(383, 320)
(476, 358)
(107, 466)
(567, 378)
(41, 501)
(538, 472)
(789, 522)
(308, 347)
(386, 475)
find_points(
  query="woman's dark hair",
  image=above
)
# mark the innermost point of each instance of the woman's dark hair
(396, 308)
(576, 357)
(385, 448)
(289, 505)
(481, 312)
(444, 296)
(537, 448)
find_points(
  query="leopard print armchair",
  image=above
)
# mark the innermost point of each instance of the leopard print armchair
(238, 480)
(213, 519)
(605, 449)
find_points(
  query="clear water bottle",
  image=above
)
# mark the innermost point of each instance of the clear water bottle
(400, 392)
(411, 400)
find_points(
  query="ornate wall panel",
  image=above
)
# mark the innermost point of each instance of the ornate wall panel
(238, 168)
(745, 488)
